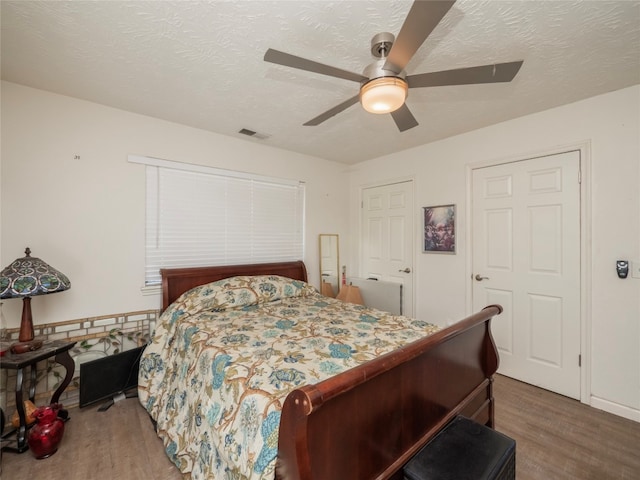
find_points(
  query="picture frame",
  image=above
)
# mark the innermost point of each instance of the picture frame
(439, 229)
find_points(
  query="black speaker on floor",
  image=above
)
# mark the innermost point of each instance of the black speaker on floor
(110, 377)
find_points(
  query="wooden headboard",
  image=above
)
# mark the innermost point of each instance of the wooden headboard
(176, 281)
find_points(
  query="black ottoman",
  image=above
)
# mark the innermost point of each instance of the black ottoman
(464, 450)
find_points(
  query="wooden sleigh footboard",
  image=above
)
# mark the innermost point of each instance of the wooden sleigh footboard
(367, 422)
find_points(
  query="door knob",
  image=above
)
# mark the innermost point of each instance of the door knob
(406, 270)
(479, 278)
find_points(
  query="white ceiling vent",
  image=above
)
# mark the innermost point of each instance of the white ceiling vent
(251, 133)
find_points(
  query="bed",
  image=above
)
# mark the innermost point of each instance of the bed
(359, 413)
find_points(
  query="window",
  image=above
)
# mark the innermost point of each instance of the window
(197, 216)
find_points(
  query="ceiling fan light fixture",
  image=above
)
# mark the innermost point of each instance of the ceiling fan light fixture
(384, 94)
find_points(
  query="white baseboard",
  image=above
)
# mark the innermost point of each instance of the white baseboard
(615, 408)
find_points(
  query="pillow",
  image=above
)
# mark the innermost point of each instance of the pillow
(242, 291)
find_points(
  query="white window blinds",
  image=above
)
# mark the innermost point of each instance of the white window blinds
(204, 216)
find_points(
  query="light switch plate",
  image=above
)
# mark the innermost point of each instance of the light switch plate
(635, 269)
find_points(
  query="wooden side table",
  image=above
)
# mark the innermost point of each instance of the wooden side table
(59, 349)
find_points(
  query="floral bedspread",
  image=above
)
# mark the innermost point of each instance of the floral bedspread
(225, 355)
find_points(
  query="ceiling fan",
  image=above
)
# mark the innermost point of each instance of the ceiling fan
(384, 84)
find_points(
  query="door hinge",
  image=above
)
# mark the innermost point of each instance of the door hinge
(579, 360)
(579, 176)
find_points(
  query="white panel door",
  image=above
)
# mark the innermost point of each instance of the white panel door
(526, 257)
(387, 237)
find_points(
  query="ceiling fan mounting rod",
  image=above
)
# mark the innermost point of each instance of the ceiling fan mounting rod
(376, 70)
(381, 44)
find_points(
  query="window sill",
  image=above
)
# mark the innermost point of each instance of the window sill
(151, 290)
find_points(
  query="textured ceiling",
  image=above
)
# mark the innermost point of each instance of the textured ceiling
(201, 63)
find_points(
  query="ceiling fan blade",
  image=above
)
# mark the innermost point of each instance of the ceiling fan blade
(331, 112)
(404, 118)
(420, 22)
(288, 60)
(500, 72)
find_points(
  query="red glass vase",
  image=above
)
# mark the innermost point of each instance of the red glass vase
(45, 436)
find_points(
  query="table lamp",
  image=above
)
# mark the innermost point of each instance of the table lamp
(351, 294)
(27, 277)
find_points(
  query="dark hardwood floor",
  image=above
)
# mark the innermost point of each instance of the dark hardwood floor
(118, 444)
(560, 438)
(557, 438)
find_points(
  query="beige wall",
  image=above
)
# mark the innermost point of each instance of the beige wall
(85, 216)
(610, 126)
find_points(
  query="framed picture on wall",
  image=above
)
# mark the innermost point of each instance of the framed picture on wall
(439, 229)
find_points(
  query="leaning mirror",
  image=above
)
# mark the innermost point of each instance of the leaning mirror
(329, 265)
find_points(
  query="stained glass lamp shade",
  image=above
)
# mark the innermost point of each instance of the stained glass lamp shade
(27, 277)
